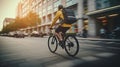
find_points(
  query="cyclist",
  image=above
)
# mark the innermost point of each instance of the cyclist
(62, 28)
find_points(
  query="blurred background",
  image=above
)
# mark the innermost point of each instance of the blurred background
(100, 17)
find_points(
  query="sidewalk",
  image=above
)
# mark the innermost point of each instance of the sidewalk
(98, 39)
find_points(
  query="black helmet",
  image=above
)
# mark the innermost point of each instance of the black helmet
(60, 7)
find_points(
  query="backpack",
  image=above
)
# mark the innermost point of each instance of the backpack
(69, 16)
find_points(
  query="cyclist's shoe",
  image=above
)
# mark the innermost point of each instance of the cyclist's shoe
(61, 43)
(63, 46)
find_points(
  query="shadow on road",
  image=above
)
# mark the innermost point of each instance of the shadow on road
(91, 54)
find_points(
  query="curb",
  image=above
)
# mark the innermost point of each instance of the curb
(99, 39)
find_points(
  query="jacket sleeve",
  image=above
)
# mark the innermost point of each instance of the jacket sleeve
(55, 18)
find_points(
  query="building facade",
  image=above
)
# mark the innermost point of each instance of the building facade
(7, 21)
(90, 10)
(25, 7)
(47, 9)
(19, 10)
(103, 14)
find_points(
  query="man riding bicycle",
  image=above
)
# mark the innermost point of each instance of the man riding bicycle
(63, 27)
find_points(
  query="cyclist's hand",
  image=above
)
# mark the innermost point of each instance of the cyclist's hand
(50, 28)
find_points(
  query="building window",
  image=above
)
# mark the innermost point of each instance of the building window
(37, 9)
(44, 12)
(85, 6)
(40, 4)
(49, 9)
(44, 1)
(48, 0)
(44, 19)
(49, 18)
(40, 14)
(70, 2)
(56, 3)
(114, 2)
(102, 4)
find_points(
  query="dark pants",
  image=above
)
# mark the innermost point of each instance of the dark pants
(62, 29)
(85, 33)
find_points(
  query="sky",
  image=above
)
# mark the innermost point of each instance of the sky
(7, 10)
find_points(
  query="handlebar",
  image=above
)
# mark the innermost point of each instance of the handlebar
(51, 28)
(79, 18)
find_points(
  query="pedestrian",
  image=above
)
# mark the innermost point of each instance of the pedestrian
(102, 33)
(85, 31)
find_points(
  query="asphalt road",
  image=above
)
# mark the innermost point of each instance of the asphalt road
(34, 52)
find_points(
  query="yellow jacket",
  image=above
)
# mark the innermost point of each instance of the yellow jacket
(86, 27)
(59, 15)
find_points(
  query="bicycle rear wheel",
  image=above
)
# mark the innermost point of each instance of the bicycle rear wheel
(71, 45)
(52, 44)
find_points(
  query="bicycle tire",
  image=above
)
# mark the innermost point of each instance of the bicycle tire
(55, 44)
(66, 45)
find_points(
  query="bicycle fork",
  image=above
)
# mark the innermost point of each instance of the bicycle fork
(53, 40)
(70, 44)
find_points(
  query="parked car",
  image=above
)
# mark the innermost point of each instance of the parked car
(34, 34)
(25, 34)
(19, 34)
(11, 34)
(41, 34)
(37, 34)
(4, 34)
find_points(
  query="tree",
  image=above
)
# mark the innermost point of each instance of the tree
(8, 28)
(31, 19)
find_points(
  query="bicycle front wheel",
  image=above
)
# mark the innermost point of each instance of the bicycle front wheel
(52, 44)
(71, 45)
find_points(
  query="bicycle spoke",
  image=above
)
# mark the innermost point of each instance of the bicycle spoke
(71, 46)
(52, 44)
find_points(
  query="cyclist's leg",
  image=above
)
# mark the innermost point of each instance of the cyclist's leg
(61, 36)
(60, 39)
(58, 35)
(58, 32)
(61, 31)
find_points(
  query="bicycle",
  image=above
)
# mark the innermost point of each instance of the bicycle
(71, 44)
